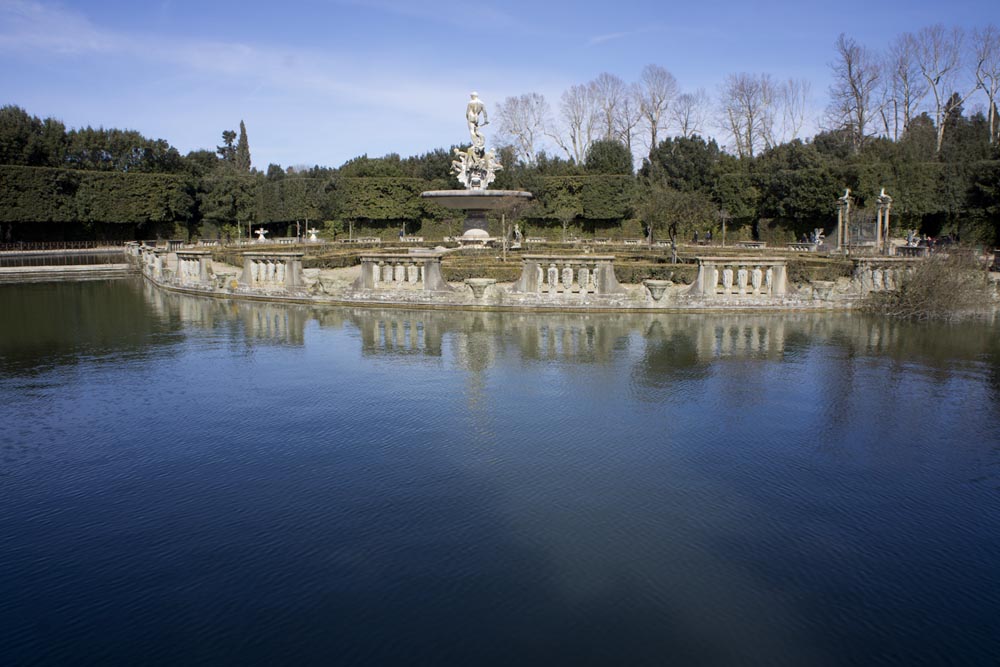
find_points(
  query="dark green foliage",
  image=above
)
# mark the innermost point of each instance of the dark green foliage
(296, 198)
(609, 156)
(684, 163)
(42, 194)
(242, 156)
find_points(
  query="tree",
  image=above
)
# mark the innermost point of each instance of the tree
(906, 89)
(661, 206)
(686, 164)
(856, 75)
(227, 151)
(938, 56)
(689, 113)
(609, 93)
(793, 96)
(609, 156)
(657, 89)
(986, 44)
(748, 105)
(577, 111)
(629, 117)
(523, 120)
(242, 156)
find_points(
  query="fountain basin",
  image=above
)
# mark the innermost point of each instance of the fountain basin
(476, 203)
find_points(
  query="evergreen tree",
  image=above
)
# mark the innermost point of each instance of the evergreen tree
(227, 151)
(243, 150)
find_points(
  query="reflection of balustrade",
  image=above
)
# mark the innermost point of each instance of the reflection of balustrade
(192, 266)
(418, 271)
(740, 277)
(272, 270)
(879, 274)
(563, 274)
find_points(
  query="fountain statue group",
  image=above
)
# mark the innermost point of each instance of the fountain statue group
(476, 167)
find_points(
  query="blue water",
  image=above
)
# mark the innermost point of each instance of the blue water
(188, 481)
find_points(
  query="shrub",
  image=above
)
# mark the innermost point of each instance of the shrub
(945, 287)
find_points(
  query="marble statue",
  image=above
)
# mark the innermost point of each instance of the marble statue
(260, 234)
(475, 167)
(473, 111)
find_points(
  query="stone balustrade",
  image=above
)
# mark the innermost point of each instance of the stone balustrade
(879, 274)
(272, 270)
(567, 274)
(728, 277)
(419, 271)
(192, 266)
(913, 251)
(803, 247)
(751, 245)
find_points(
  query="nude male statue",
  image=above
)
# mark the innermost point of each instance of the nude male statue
(472, 112)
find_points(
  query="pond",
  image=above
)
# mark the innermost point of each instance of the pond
(189, 480)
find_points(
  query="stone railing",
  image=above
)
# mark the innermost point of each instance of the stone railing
(272, 270)
(567, 274)
(152, 261)
(751, 245)
(803, 247)
(420, 271)
(192, 266)
(878, 274)
(365, 240)
(740, 277)
(913, 251)
(411, 239)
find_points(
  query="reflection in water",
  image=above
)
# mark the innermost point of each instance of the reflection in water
(224, 481)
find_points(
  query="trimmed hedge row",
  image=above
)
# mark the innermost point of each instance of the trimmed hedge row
(45, 194)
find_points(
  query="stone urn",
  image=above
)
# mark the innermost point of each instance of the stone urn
(479, 285)
(657, 287)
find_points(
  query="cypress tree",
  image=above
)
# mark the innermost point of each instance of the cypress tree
(243, 150)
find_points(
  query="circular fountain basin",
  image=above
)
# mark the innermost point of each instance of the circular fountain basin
(475, 199)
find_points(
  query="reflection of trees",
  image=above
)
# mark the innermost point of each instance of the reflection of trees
(59, 321)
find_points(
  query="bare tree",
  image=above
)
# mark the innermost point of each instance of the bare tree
(856, 74)
(793, 95)
(939, 59)
(609, 93)
(905, 87)
(986, 45)
(629, 116)
(657, 89)
(578, 113)
(523, 120)
(747, 112)
(689, 112)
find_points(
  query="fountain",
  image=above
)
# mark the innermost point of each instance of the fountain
(475, 168)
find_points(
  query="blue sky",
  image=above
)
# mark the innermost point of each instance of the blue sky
(321, 81)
